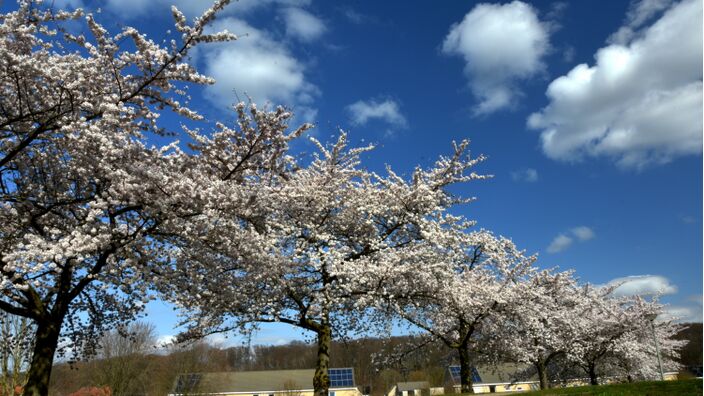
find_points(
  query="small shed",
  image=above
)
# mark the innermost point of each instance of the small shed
(417, 388)
(493, 379)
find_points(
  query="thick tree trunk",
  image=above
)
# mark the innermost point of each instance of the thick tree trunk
(593, 379)
(45, 344)
(465, 371)
(541, 366)
(321, 380)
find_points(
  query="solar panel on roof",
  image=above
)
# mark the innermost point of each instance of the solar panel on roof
(475, 375)
(455, 372)
(341, 377)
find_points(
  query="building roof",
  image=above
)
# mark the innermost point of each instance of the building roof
(501, 374)
(250, 381)
(406, 386)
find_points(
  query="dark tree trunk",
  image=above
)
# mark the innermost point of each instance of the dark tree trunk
(321, 380)
(45, 343)
(541, 366)
(593, 379)
(465, 371)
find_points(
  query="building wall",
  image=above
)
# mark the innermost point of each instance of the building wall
(502, 388)
(308, 392)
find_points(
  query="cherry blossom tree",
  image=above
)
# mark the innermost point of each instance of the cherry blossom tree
(615, 334)
(464, 302)
(84, 198)
(541, 325)
(334, 233)
(636, 356)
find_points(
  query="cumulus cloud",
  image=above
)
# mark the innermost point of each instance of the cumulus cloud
(639, 12)
(528, 175)
(583, 233)
(388, 111)
(641, 103)
(560, 243)
(642, 285)
(303, 25)
(165, 340)
(500, 44)
(684, 314)
(563, 240)
(271, 340)
(257, 66)
(354, 16)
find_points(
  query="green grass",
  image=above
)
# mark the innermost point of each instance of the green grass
(676, 388)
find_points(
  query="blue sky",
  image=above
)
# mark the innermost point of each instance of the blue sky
(590, 114)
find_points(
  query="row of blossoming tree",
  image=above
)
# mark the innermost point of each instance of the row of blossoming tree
(95, 220)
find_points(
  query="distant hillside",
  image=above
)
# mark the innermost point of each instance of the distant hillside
(691, 355)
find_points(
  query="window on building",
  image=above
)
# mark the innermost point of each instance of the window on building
(331, 393)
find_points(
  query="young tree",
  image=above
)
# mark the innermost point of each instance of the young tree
(330, 225)
(121, 363)
(83, 199)
(15, 351)
(473, 283)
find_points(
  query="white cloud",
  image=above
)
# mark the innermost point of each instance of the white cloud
(560, 243)
(563, 241)
(640, 104)
(528, 175)
(354, 16)
(165, 340)
(303, 25)
(257, 66)
(388, 111)
(682, 314)
(271, 340)
(219, 340)
(583, 233)
(639, 12)
(642, 285)
(500, 45)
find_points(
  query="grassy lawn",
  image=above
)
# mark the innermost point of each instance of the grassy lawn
(678, 388)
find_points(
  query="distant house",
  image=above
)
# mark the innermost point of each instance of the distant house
(499, 379)
(264, 383)
(418, 388)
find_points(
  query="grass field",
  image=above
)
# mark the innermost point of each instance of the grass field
(676, 388)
